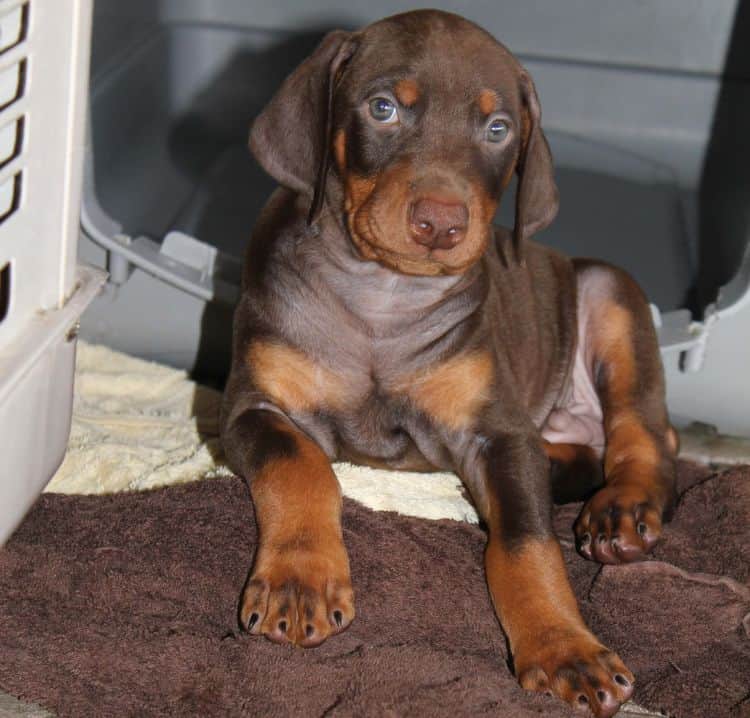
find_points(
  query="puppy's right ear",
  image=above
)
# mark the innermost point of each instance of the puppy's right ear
(290, 137)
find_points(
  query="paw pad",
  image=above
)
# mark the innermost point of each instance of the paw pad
(624, 522)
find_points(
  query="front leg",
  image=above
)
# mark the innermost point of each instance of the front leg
(299, 590)
(553, 650)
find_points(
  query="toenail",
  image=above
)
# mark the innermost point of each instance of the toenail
(282, 626)
(602, 696)
(548, 693)
(586, 538)
(642, 528)
(583, 700)
(601, 538)
(338, 617)
(622, 680)
(309, 630)
(252, 621)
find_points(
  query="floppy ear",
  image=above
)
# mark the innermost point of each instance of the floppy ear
(536, 193)
(291, 137)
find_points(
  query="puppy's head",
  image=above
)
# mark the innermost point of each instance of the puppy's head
(412, 128)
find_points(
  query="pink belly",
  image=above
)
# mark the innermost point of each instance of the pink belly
(577, 415)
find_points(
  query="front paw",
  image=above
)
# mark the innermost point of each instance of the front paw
(300, 595)
(618, 524)
(577, 669)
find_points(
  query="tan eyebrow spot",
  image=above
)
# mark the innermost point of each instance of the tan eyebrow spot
(407, 92)
(487, 101)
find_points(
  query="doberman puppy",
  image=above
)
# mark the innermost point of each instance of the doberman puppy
(384, 320)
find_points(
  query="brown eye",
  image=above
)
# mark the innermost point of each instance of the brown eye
(497, 130)
(383, 110)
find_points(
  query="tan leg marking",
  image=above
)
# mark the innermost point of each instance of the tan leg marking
(300, 588)
(552, 648)
(630, 447)
(576, 471)
(622, 521)
(567, 454)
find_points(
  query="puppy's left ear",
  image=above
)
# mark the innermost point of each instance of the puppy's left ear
(536, 195)
(291, 138)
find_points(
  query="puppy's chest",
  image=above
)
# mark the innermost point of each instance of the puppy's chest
(368, 369)
(346, 396)
(340, 379)
(374, 399)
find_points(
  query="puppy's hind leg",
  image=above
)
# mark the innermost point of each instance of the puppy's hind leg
(575, 471)
(623, 520)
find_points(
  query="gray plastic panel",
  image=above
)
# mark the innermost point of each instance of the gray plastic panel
(685, 35)
(176, 111)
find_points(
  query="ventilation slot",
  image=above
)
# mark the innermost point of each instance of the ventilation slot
(11, 140)
(14, 27)
(12, 83)
(4, 291)
(10, 196)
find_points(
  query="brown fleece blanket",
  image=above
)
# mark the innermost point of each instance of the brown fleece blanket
(125, 605)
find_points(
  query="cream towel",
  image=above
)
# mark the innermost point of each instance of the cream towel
(138, 425)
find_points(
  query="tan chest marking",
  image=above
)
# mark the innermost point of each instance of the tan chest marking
(294, 381)
(454, 391)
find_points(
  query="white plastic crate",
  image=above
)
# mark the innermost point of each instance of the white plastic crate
(44, 56)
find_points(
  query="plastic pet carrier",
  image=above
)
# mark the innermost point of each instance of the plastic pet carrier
(44, 56)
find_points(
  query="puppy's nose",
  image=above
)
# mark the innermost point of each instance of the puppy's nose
(438, 224)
